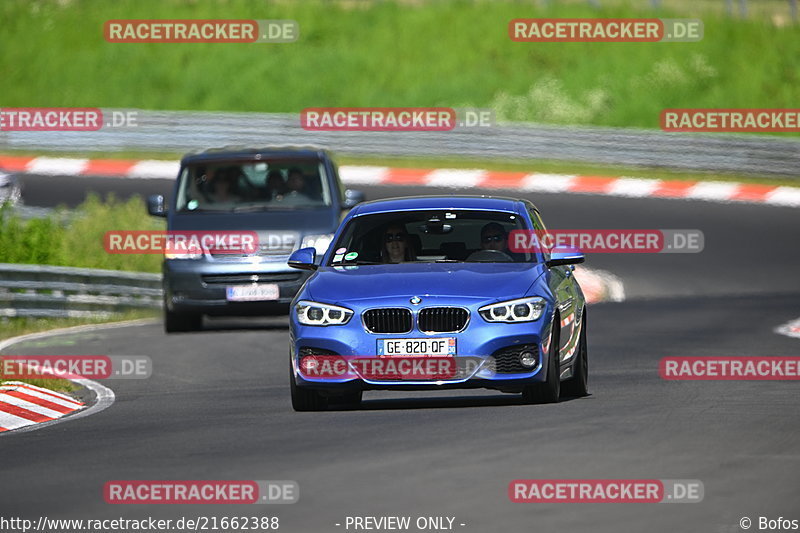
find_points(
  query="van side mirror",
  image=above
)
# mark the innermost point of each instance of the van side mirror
(352, 198)
(155, 205)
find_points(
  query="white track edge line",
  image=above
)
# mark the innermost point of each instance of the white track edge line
(789, 328)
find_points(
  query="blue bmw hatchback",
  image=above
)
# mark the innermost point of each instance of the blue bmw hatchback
(425, 293)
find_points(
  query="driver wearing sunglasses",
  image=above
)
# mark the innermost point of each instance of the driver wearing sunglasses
(494, 237)
(396, 247)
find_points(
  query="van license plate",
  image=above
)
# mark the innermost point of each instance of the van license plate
(252, 293)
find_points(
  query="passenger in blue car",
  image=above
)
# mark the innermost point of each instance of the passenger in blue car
(396, 247)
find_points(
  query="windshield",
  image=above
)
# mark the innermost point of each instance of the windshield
(253, 186)
(469, 236)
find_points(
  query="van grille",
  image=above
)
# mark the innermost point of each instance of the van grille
(245, 278)
(264, 250)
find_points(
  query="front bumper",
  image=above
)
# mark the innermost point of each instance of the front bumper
(199, 286)
(479, 347)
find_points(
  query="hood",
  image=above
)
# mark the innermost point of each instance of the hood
(301, 220)
(479, 281)
(279, 233)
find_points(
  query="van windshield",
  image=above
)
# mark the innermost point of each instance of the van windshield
(253, 186)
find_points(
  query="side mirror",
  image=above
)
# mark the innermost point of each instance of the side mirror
(352, 198)
(567, 257)
(304, 259)
(155, 205)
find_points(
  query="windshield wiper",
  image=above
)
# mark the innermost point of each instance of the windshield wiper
(247, 208)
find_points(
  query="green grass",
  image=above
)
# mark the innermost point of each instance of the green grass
(12, 327)
(76, 239)
(444, 53)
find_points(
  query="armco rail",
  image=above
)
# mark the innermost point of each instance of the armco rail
(184, 131)
(50, 291)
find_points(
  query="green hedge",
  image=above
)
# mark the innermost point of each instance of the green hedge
(75, 238)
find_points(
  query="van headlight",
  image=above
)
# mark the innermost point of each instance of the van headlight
(178, 253)
(318, 314)
(319, 242)
(181, 251)
(522, 310)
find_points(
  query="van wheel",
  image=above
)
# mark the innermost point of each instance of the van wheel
(177, 323)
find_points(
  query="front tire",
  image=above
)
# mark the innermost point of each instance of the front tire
(351, 399)
(578, 385)
(180, 323)
(550, 390)
(303, 399)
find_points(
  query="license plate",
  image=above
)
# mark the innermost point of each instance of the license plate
(252, 293)
(441, 346)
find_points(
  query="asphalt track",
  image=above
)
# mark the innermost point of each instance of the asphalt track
(217, 405)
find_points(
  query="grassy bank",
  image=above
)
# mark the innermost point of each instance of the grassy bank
(449, 53)
(76, 240)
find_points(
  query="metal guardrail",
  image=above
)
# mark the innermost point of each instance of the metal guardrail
(185, 131)
(57, 292)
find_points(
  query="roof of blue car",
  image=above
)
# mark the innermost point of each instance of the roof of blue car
(406, 203)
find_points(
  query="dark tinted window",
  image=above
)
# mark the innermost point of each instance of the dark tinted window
(429, 236)
(284, 184)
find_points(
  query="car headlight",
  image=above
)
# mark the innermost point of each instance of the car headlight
(320, 242)
(317, 314)
(522, 310)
